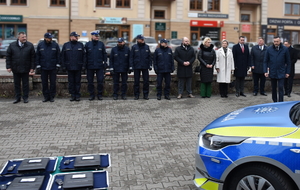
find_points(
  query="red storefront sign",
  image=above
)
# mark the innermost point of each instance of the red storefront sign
(204, 23)
(223, 35)
(246, 28)
(221, 23)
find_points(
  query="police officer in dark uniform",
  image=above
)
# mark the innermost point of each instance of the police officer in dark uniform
(96, 62)
(163, 67)
(140, 62)
(48, 62)
(73, 60)
(119, 66)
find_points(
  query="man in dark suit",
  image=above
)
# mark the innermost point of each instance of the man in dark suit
(20, 60)
(288, 82)
(257, 62)
(242, 63)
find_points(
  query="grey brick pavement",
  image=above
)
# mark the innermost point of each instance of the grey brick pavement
(152, 143)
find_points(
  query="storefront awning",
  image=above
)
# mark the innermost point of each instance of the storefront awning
(253, 2)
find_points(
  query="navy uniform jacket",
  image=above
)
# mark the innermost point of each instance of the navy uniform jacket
(278, 62)
(73, 56)
(163, 60)
(140, 57)
(47, 55)
(96, 56)
(119, 59)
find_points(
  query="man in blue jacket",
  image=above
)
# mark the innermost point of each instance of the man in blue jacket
(163, 67)
(141, 62)
(277, 66)
(257, 63)
(48, 61)
(73, 60)
(96, 62)
(119, 67)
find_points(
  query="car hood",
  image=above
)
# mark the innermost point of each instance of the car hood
(264, 120)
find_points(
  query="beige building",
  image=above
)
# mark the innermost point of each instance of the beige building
(195, 19)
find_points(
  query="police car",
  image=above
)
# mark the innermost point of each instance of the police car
(253, 148)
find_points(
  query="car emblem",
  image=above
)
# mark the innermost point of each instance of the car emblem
(263, 110)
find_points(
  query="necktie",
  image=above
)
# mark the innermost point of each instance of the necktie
(260, 47)
(242, 46)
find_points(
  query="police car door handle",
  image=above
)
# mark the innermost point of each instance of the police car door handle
(295, 150)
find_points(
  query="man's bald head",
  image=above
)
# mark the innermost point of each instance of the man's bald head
(185, 41)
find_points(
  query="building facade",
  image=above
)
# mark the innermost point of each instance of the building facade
(218, 19)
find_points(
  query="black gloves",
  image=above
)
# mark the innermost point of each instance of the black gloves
(129, 71)
(112, 72)
(150, 69)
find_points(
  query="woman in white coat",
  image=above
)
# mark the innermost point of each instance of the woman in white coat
(224, 67)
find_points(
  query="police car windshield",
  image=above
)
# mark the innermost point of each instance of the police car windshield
(295, 114)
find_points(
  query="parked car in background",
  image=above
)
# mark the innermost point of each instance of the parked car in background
(297, 47)
(4, 45)
(174, 43)
(255, 147)
(230, 45)
(150, 41)
(113, 43)
(83, 40)
(196, 45)
(251, 44)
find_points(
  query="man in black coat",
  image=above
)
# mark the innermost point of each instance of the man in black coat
(185, 57)
(242, 63)
(48, 61)
(288, 82)
(73, 60)
(257, 67)
(20, 60)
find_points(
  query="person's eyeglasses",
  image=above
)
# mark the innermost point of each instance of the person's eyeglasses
(209, 42)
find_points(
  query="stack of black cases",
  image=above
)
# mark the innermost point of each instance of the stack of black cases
(76, 172)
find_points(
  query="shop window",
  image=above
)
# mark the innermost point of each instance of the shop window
(213, 5)
(18, 2)
(245, 17)
(292, 9)
(159, 14)
(102, 3)
(57, 3)
(2, 2)
(196, 5)
(123, 3)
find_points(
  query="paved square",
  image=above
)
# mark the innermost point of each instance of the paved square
(152, 143)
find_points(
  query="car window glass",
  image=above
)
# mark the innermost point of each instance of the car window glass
(150, 40)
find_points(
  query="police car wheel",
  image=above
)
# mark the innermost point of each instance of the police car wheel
(259, 177)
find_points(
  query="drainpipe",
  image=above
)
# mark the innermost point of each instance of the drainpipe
(150, 17)
(70, 16)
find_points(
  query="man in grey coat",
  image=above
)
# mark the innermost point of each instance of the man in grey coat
(20, 60)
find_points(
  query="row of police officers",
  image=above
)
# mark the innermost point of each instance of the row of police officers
(92, 57)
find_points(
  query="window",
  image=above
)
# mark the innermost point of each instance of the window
(123, 3)
(159, 14)
(196, 5)
(58, 3)
(102, 3)
(245, 18)
(213, 5)
(19, 2)
(292, 9)
(2, 2)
